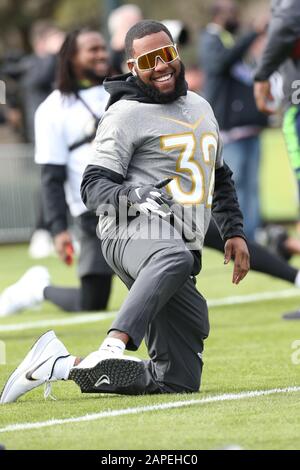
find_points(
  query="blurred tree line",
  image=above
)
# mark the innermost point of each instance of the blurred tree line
(17, 16)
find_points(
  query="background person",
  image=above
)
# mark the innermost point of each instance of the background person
(35, 75)
(228, 87)
(283, 51)
(119, 22)
(66, 123)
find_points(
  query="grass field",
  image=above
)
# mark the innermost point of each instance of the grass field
(278, 192)
(249, 349)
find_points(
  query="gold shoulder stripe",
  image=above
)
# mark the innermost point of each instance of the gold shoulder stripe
(185, 124)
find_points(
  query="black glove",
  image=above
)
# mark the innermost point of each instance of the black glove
(150, 199)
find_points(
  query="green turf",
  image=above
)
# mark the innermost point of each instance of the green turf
(249, 349)
(278, 190)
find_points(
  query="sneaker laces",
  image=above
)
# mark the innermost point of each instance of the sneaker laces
(114, 350)
(48, 390)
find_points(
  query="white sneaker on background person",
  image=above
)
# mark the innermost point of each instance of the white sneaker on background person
(25, 293)
(38, 368)
(41, 245)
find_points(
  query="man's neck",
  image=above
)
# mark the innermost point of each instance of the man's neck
(216, 25)
(85, 83)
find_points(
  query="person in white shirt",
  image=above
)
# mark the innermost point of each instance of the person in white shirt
(65, 126)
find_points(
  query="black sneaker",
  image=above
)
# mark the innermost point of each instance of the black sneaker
(292, 315)
(276, 235)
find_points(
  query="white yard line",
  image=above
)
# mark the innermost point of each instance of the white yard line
(146, 409)
(96, 317)
(249, 298)
(71, 320)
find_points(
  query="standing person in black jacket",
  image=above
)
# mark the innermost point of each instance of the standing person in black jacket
(65, 125)
(37, 81)
(283, 51)
(229, 89)
(35, 75)
(118, 23)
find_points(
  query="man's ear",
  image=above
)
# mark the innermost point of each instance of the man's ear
(131, 68)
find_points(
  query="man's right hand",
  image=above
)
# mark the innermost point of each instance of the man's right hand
(64, 246)
(263, 97)
(151, 199)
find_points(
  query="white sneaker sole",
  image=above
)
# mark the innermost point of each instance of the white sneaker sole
(107, 375)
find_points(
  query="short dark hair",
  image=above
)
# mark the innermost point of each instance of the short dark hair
(141, 29)
(218, 7)
(66, 80)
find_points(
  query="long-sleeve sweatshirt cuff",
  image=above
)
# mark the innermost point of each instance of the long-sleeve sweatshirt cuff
(58, 226)
(235, 233)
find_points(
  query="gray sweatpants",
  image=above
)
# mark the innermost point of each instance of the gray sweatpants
(163, 305)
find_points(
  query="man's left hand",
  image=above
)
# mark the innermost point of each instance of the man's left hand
(236, 249)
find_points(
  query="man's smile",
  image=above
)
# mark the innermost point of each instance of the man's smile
(164, 78)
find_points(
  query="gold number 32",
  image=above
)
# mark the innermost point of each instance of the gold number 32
(186, 144)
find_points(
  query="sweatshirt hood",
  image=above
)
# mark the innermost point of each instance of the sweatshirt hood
(125, 87)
